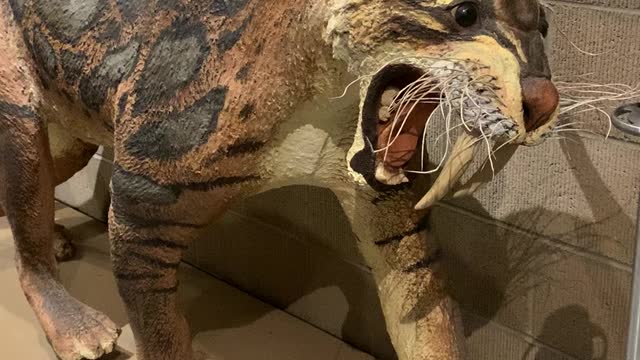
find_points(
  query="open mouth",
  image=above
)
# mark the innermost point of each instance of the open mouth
(397, 110)
(400, 115)
(399, 105)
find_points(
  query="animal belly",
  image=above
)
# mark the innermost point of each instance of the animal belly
(75, 119)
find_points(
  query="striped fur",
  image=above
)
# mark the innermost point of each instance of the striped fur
(209, 101)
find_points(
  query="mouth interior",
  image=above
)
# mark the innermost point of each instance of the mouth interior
(400, 115)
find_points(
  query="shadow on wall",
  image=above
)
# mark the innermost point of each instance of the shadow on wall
(309, 268)
(495, 269)
(570, 326)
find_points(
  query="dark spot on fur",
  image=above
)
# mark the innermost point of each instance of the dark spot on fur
(69, 19)
(160, 291)
(122, 105)
(16, 111)
(217, 183)
(522, 15)
(123, 217)
(177, 133)
(18, 8)
(121, 275)
(168, 4)
(111, 32)
(228, 39)
(423, 225)
(174, 61)
(155, 261)
(259, 48)
(158, 242)
(246, 112)
(403, 27)
(425, 263)
(227, 7)
(95, 88)
(243, 72)
(245, 147)
(131, 9)
(140, 189)
(72, 65)
(44, 56)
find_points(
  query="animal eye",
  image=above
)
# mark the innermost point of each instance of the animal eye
(466, 14)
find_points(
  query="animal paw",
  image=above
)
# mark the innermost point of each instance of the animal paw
(78, 332)
(62, 245)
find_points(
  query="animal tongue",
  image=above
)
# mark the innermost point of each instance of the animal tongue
(392, 161)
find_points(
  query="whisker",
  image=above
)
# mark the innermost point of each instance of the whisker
(504, 144)
(476, 141)
(403, 106)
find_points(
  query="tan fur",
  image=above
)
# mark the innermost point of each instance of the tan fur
(206, 102)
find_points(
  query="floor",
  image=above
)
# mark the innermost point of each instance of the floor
(228, 324)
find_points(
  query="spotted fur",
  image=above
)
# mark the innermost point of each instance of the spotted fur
(209, 101)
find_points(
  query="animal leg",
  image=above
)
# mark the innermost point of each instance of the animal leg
(74, 330)
(422, 320)
(147, 244)
(70, 155)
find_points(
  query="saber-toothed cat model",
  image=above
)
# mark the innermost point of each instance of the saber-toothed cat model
(208, 101)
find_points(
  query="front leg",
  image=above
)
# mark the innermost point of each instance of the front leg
(422, 319)
(148, 240)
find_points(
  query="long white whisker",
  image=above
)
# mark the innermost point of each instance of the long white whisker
(476, 141)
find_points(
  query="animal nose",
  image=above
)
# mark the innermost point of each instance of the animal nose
(540, 99)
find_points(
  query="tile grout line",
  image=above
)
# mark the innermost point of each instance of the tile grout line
(234, 286)
(326, 250)
(259, 298)
(619, 10)
(490, 221)
(532, 340)
(573, 249)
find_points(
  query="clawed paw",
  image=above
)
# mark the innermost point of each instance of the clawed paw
(62, 245)
(88, 334)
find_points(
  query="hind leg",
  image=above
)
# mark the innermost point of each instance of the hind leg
(74, 330)
(70, 155)
(26, 192)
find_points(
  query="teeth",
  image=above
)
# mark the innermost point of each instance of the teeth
(384, 114)
(389, 177)
(388, 96)
(461, 157)
(486, 173)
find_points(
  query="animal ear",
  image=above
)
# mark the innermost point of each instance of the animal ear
(543, 23)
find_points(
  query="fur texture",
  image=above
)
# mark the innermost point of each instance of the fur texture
(209, 101)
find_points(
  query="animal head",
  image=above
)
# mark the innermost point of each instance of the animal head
(478, 65)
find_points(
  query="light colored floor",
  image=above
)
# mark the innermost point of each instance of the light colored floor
(227, 323)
